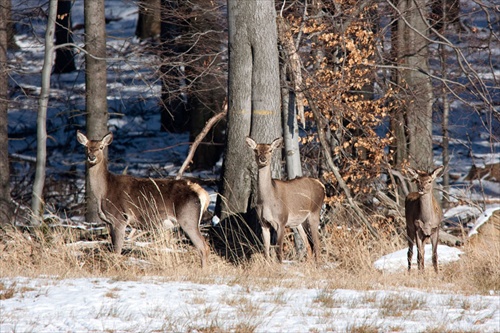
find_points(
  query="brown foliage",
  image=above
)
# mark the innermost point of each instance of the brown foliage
(339, 56)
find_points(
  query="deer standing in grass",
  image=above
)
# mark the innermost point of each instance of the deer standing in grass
(423, 216)
(289, 203)
(148, 202)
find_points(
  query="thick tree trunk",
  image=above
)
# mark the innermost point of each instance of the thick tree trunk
(6, 209)
(65, 58)
(254, 99)
(95, 79)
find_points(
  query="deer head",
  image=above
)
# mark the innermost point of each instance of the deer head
(423, 179)
(263, 152)
(95, 148)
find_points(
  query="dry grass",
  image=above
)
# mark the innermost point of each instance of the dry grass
(346, 262)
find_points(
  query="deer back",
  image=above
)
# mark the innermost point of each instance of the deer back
(149, 201)
(300, 193)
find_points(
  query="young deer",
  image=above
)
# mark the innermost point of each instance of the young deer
(423, 216)
(289, 203)
(124, 199)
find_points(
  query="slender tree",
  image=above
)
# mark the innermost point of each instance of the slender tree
(41, 123)
(95, 80)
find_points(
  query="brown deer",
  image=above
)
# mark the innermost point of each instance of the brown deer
(289, 203)
(423, 216)
(124, 200)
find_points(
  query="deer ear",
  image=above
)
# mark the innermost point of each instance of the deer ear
(107, 139)
(250, 142)
(81, 138)
(437, 172)
(276, 143)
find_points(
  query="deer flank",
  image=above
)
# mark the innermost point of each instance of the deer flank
(281, 204)
(144, 202)
(423, 216)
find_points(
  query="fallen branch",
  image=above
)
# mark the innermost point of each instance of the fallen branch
(210, 123)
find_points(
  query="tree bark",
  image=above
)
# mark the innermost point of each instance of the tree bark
(6, 207)
(96, 80)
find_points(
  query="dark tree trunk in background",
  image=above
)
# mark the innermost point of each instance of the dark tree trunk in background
(65, 58)
(411, 49)
(207, 92)
(9, 25)
(95, 80)
(445, 13)
(6, 207)
(175, 108)
(148, 21)
(254, 99)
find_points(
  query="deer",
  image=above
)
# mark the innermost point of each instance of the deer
(423, 216)
(290, 203)
(126, 200)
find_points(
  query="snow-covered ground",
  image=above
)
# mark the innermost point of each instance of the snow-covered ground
(153, 305)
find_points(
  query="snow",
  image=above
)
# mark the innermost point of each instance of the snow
(152, 305)
(397, 261)
(483, 217)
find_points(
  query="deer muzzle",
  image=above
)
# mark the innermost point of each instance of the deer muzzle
(92, 159)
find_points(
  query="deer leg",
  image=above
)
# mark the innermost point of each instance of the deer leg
(266, 237)
(314, 230)
(434, 241)
(411, 241)
(305, 241)
(420, 251)
(281, 234)
(194, 234)
(117, 231)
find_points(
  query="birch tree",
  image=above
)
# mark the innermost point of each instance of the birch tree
(41, 153)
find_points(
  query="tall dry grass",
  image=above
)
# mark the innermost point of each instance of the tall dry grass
(346, 260)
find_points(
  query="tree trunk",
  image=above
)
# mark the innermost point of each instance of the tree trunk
(444, 126)
(65, 58)
(41, 122)
(6, 208)
(412, 53)
(175, 108)
(149, 19)
(95, 79)
(254, 99)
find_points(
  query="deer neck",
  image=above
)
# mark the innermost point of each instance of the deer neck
(427, 208)
(265, 182)
(98, 174)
